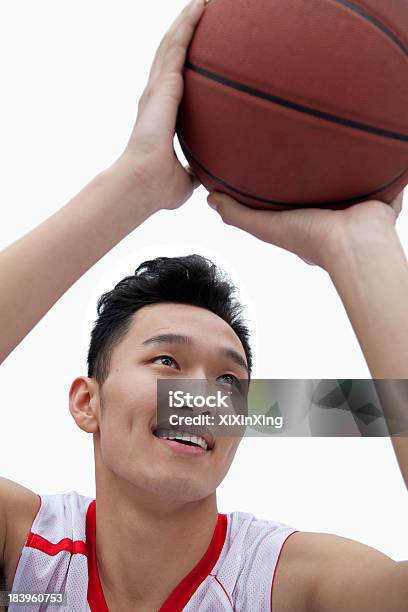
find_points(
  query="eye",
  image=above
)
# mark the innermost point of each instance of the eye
(166, 360)
(230, 379)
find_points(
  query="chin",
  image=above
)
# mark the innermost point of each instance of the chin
(178, 489)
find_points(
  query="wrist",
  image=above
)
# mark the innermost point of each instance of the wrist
(357, 246)
(133, 195)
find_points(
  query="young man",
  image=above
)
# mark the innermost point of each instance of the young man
(157, 541)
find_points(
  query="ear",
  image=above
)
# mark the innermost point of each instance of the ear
(84, 403)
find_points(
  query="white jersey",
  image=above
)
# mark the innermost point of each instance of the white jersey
(236, 572)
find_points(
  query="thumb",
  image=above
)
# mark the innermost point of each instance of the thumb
(397, 202)
(194, 180)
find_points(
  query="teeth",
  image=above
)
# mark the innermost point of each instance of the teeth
(166, 434)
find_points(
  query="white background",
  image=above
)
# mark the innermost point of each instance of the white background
(71, 76)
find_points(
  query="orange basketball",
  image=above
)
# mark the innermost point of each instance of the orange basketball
(298, 103)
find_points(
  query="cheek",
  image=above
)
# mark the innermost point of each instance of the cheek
(128, 408)
(124, 431)
(227, 447)
(128, 397)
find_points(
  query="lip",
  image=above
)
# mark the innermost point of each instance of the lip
(183, 449)
(194, 431)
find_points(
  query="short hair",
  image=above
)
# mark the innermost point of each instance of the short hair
(190, 279)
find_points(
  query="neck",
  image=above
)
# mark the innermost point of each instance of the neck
(145, 544)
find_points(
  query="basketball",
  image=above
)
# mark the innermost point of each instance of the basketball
(298, 103)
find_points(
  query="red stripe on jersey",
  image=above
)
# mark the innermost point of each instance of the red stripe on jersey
(34, 540)
(95, 595)
(223, 588)
(188, 586)
(49, 548)
(277, 561)
(183, 591)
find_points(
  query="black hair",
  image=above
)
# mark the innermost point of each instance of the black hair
(190, 279)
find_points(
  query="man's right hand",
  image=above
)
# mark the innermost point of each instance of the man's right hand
(149, 153)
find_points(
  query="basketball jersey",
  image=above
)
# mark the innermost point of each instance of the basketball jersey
(236, 572)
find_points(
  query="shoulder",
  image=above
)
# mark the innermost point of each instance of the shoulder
(18, 508)
(28, 515)
(63, 516)
(322, 571)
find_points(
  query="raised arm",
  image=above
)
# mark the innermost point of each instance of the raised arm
(360, 249)
(371, 276)
(36, 270)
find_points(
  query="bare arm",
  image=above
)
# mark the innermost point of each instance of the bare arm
(356, 577)
(361, 251)
(338, 575)
(36, 270)
(371, 277)
(18, 507)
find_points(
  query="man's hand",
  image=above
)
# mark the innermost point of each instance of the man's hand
(149, 153)
(315, 235)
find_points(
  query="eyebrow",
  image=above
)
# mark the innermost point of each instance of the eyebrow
(235, 356)
(186, 340)
(168, 339)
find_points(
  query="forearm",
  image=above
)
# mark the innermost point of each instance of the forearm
(371, 277)
(372, 280)
(36, 270)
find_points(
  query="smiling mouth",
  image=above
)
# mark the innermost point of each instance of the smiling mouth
(183, 438)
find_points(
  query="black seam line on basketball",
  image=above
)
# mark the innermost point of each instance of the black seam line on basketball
(365, 196)
(293, 105)
(376, 22)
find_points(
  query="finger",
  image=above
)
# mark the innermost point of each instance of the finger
(195, 181)
(397, 202)
(162, 95)
(185, 23)
(171, 53)
(310, 263)
(266, 225)
(158, 110)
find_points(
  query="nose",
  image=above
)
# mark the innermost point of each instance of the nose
(205, 392)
